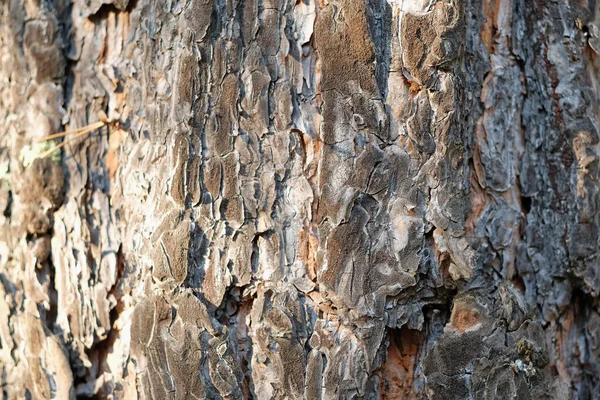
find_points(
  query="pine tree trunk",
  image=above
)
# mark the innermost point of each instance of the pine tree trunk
(392, 199)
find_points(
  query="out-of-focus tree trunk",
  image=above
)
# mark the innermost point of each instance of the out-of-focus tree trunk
(296, 199)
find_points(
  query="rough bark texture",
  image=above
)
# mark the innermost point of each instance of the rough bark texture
(324, 200)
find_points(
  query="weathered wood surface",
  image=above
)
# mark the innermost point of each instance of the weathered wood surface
(344, 199)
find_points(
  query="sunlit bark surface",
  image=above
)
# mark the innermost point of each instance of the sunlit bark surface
(390, 199)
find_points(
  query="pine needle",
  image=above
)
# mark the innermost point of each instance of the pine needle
(76, 132)
(87, 128)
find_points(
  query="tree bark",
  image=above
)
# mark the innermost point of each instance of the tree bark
(342, 199)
